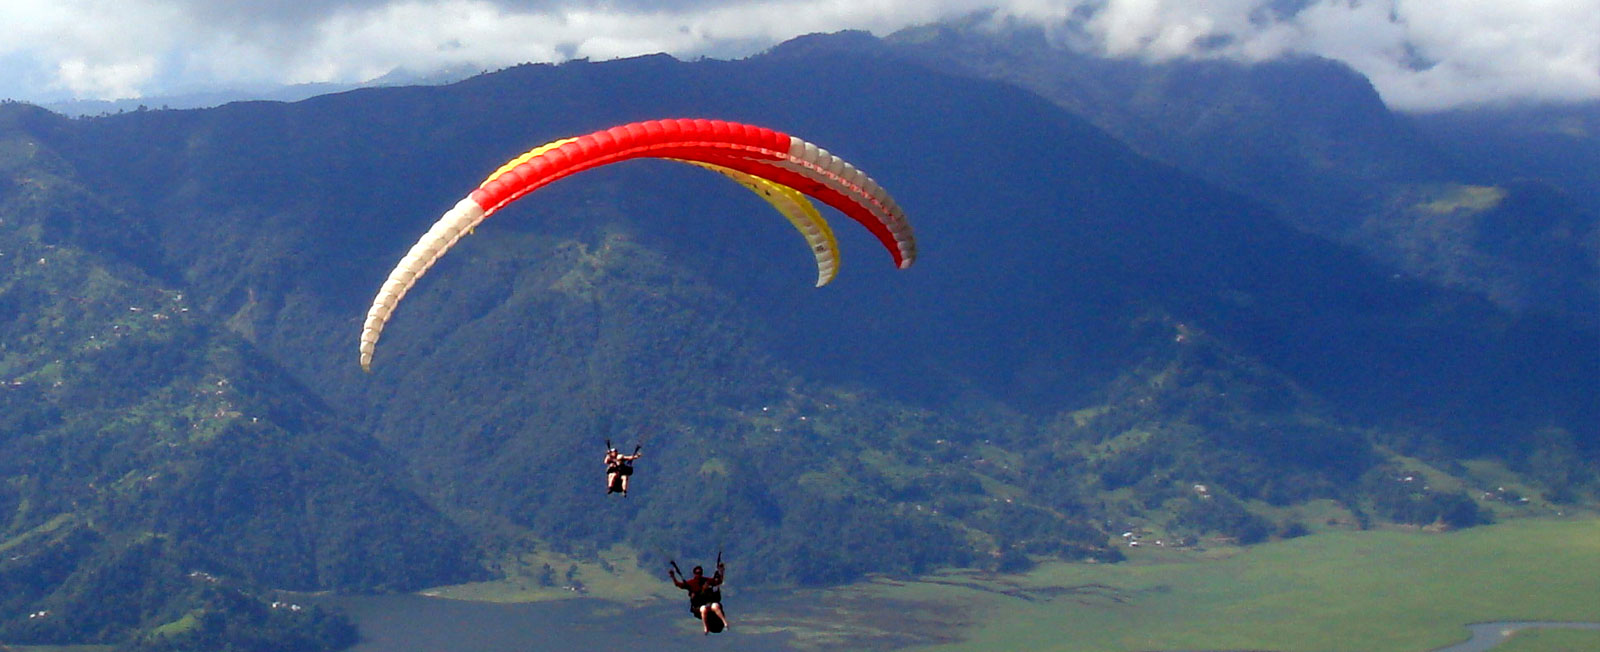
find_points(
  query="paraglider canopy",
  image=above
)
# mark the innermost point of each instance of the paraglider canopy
(783, 169)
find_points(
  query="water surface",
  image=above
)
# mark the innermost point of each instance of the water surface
(415, 623)
(1486, 636)
(778, 621)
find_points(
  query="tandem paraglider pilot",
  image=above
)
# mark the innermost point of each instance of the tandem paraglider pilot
(705, 596)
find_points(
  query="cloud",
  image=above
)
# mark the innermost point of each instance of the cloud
(1431, 55)
(54, 48)
(1420, 54)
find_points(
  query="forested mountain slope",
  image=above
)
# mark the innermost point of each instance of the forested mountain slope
(143, 445)
(1493, 199)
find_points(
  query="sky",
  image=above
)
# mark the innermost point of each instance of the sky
(1421, 55)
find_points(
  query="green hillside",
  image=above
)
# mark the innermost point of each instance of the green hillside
(156, 465)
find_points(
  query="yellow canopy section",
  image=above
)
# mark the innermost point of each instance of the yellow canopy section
(799, 211)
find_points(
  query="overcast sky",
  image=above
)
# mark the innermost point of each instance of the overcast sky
(1421, 54)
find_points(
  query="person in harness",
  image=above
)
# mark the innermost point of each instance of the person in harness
(705, 595)
(619, 468)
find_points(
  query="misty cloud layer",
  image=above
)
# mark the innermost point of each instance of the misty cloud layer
(1420, 54)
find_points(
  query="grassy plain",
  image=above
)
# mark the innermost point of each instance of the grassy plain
(1389, 590)
(615, 575)
(1377, 590)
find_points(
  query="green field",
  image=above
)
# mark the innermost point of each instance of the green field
(615, 575)
(1388, 590)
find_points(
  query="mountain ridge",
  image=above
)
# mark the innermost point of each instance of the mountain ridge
(1312, 139)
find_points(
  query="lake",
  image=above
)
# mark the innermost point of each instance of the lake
(1487, 635)
(414, 623)
(775, 621)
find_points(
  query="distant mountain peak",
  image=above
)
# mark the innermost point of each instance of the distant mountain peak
(847, 41)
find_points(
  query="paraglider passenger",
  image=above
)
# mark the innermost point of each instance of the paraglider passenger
(704, 596)
(619, 468)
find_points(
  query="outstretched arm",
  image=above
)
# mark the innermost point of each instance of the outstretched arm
(673, 573)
